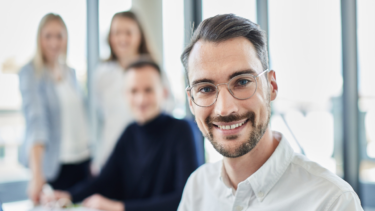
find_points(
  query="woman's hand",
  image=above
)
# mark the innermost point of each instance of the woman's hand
(35, 188)
(56, 198)
(99, 202)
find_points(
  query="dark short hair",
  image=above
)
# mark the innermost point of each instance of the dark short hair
(143, 61)
(224, 27)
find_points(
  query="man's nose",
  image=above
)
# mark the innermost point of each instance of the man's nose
(225, 103)
(141, 98)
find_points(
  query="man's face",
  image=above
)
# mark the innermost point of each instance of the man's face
(145, 93)
(218, 63)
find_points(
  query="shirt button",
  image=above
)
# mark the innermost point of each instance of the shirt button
(260, 194)
(239, 208)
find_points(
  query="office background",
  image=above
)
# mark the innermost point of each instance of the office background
(323, 52)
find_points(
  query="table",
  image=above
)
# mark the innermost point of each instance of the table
(70, 209)
(27, 205)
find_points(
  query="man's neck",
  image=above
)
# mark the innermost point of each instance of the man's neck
(239, 169)
(149, 119)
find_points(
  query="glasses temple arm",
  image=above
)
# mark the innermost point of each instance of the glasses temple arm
(260, 74)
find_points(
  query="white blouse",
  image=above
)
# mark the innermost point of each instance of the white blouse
(110, 99)
(74, 146)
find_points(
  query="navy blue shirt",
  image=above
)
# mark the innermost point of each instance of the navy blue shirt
(149, 166)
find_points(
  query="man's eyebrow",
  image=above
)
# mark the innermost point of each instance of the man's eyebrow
(201, 81)
(251, 71)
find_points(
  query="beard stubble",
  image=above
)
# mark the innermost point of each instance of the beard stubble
(254, 137)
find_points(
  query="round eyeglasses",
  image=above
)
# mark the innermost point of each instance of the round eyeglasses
(241, 87)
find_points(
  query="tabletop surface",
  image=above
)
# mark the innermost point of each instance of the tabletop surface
(28, 206)
(70, 209)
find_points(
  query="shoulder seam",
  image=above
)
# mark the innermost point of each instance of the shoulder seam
(335, 198)
(341, 191)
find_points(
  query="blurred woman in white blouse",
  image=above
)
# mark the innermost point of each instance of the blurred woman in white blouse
(127, 41)
(56, 145)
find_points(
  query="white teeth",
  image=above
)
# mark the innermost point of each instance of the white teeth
(230, 127)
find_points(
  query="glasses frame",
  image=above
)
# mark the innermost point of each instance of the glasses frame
(188, 88)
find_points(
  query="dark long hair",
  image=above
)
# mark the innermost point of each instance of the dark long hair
(143, 47)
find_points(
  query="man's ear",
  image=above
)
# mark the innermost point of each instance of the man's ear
(273, 84)
(190, 102)
(165, 93)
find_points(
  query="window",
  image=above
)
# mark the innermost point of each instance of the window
(366, 75)
(173, 45)
(243, 8)
(305, 52)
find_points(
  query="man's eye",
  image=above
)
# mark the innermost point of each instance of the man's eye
(206, 89)
(243, 82)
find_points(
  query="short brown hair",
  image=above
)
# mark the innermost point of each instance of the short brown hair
(144, 61)
(224, 27)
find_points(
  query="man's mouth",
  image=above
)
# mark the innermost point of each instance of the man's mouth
(229, 125)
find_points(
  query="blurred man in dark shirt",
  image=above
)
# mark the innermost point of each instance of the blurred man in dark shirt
(153, 158)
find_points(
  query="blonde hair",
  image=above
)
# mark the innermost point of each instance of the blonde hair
(39, 60)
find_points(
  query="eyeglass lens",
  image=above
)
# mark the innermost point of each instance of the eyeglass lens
(241, 87)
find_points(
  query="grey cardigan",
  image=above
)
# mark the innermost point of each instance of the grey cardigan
(41, 108)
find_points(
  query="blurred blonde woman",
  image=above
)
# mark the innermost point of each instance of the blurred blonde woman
(56, 138)
(127, 41)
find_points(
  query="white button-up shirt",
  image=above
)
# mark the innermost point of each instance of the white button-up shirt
(287, 181)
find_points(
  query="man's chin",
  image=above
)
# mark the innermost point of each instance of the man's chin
(239, 137)
(230, 142)
(141, 118)
(232, 137)
(230, 147)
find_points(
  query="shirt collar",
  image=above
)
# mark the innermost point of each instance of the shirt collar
(267, 176)
(225, 179)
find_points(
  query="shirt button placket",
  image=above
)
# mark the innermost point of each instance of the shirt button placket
(239, 208)
(260, 194)
(242, 195)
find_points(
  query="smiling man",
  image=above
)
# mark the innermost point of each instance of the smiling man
(230, 91)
